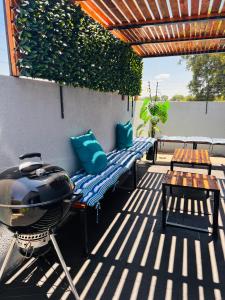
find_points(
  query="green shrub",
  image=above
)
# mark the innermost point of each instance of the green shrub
(58, 42)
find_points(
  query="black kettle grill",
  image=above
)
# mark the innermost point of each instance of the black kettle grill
(34, 199)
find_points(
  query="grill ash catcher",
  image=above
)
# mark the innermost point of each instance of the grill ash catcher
(34, 199)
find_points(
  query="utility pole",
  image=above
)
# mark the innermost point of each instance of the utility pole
(149, 89)
(156, 92)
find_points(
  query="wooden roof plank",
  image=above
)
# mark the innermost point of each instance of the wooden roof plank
(142, 9)
(113, 8)
(175, 9)
(223, 7)
(100, 12)
(124, 9)
(154, 9)
(144, 6)
(194, 7)
(216, 6)
(106, 10)
(220, 50)
(163, 8)
(184, 8)
(87, 6)
(166, 21)
(205, 6)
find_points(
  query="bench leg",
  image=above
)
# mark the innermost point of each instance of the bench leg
(135, 175)
(83, 218)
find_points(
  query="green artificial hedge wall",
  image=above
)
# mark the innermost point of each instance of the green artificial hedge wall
(58, 42)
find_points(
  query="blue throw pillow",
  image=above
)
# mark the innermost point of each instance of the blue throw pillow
(124, 135)
(90, 153)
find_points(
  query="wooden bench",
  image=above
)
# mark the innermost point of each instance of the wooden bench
(194, 140)
(93, 187)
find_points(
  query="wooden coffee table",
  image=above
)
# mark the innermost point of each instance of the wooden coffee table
(186, 180)
(191, 157)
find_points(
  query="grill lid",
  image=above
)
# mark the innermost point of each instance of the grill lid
(33, 184)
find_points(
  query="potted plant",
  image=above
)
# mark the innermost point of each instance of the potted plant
(153, 113)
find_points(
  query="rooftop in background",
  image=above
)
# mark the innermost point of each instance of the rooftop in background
(163, 28)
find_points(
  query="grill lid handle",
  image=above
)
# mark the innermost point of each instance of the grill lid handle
(30, 155)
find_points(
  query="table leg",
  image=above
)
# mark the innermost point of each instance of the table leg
(210, 170)
(171, 166)
(215, 211)
(163, 205)
(195, 145)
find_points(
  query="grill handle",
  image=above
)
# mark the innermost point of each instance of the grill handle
(30, 155)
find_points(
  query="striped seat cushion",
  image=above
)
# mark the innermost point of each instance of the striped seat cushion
(181, 139)
(142, 144)
(124, 158)
(93, 187)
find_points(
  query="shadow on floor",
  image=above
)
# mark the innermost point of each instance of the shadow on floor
(131, 257)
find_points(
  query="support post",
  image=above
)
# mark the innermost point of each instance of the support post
(128, 104)
(61, 101)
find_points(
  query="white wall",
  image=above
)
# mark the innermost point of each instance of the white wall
(190, 119)
(30, 120)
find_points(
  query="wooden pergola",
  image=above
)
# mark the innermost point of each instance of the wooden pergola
(163, 27)
(154, 28)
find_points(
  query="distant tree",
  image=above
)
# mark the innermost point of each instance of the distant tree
(164, 98)
(189, 98)
(182, 98)
(160, 98)
(177, 98)
(208, 79)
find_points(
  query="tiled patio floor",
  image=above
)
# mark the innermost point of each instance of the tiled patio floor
(131, 257)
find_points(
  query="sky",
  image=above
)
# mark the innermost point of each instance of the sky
(172, 77)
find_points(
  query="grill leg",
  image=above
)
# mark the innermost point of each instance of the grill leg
(7, 257)
(63, 264)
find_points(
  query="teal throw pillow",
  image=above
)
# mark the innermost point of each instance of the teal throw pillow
(124, 135)
(90, 153)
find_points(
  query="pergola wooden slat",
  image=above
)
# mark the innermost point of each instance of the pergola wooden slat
(163, 27)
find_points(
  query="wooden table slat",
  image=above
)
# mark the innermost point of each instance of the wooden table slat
(178, 178)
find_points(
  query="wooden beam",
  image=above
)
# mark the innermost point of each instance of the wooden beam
(184, 53)
(174, 40)
(170, 21)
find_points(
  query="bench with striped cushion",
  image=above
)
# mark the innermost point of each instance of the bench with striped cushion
(93, 187)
